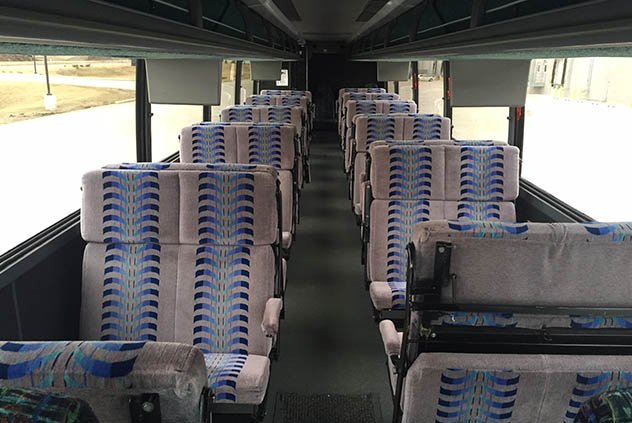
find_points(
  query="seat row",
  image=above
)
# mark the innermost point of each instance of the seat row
(183, 280)
(181, 295)
(520, 322)
(501, 321)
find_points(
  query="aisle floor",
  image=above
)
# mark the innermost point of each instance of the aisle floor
(330, 343)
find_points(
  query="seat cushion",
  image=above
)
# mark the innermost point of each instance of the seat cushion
(237, 378)
(388, 295)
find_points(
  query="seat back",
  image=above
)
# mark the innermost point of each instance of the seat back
(148, 229)
(426, 127)
(260, 100)
(414, 182)
(208, 142)
(300, 93)
(520, 388)
(241, 113)
(560, 263)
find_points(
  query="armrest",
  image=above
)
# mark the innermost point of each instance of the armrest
(391, 338)
(271, 316)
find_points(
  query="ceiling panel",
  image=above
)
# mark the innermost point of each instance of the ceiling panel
(329, 19)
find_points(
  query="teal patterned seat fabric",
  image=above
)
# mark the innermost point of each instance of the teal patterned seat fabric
(559, 265)
(26, 405)
(106, 374)
(414, 182)
(608, 407)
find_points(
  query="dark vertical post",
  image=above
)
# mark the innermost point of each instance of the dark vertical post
(414, 74)
(396, 87)
(306, 50)
(143, 114)
(516, 129)
(256, 89)
(196, 17)
(34, 65)
(238, 68)
(447, 90)
(478, 13)
(196, 13)
(47, 76)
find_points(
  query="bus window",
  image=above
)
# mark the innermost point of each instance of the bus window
(480, 123)
(228, 88)
(167, 122)
(430, 87)
(50, 138)
(247, 84)
(577, 133)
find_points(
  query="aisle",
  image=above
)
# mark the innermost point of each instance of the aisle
(330, 344)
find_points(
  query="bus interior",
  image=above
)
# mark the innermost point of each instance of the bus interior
(298, 211)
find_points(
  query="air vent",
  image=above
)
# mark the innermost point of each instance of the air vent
(288, 9)
(371, 8)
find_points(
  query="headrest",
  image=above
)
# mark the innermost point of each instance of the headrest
(375, 127)
(222, 204)
(208, 142)
(283, 114)
(241, 113)
(228, 205)
(132, 206)
(426, 127)
(406, 171)
(565, 264)
(300, 101)
(259, 100)
(397, 106)
(269, 144)
(482, 173)
(486, 173)
(357, 107)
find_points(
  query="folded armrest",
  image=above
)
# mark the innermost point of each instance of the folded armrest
(271, 316)
(391, 338)
(107, 374)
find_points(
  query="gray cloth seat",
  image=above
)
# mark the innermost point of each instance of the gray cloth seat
(180, 292)
(384, 127)
(272, 144)
(559, 265)
(290, 115)
(355, 108)
(355, 96)
(414, 182)
(340, 104)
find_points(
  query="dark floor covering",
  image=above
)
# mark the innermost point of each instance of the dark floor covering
(316, 408)
(330, 343)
